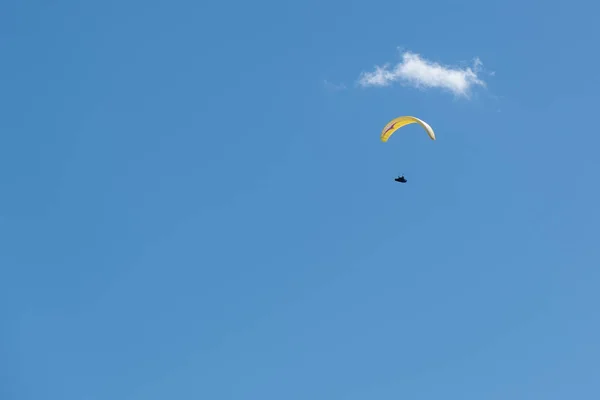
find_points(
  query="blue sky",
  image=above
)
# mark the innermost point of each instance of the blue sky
(195, 203)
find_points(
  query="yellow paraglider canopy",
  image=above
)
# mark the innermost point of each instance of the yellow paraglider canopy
(399, 122)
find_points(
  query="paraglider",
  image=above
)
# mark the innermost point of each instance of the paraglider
(398, 123)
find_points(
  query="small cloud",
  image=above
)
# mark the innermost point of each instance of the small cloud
(333, 86)
(421, 73)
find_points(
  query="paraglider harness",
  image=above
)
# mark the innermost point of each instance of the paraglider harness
(400, 179)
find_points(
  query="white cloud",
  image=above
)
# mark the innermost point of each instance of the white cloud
(421, 73)
(334, 86)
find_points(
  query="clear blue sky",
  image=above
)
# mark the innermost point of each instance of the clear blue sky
(191, 208)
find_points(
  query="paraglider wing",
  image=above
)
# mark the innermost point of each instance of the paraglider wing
(399, 122)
